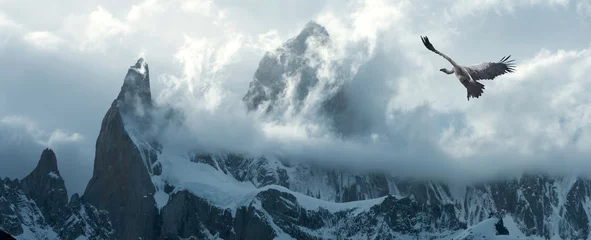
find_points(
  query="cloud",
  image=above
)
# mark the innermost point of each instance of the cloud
(101, 26)
(44, 40)
(462, 8)
(407, 117)
(539, 109)
(202, 63)
(92, 32)
(404, 116)
(21, 143)
(204, 7)
(145, 9)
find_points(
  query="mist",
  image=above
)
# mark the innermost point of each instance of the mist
(402, 115)
(385, 131)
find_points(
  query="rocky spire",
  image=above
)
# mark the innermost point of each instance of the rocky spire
(137, 84)
(46, 187)
(121, 181)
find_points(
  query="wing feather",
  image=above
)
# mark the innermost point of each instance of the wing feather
(491, 70)
(429, 46)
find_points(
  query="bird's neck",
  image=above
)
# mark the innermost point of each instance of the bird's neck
(448, 71)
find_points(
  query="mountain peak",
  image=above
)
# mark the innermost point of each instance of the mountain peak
(46, 186)
(48, 162)
(136, 86)
(296, 58)
(121, 179)
(312, 30)
(314, 27)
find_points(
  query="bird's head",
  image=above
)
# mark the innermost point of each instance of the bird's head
(444, 70)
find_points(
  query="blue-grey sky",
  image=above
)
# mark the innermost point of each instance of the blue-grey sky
(62, 63)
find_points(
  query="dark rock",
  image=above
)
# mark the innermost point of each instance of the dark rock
(39, 203)
(46, 187)
(12, 199)
(121, 176)
(6, 236)
(187, 215)
(84, 220)
(500, 228)
(251, 223)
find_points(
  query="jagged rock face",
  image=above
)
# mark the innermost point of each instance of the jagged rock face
(121, 182)
(286, 76)
(259, 171)
(17, 210)
(84, 220)
(273, 213)
(323, 183)
(187, 215)
(46, 187)
(37, 207)
(543, 206)
(385, 220)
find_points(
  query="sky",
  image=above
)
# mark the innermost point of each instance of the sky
(62, 64)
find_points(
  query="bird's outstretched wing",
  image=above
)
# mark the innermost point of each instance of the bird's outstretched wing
(429, 46)
(491, 70)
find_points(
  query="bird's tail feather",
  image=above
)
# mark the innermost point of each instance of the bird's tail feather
(475, 90)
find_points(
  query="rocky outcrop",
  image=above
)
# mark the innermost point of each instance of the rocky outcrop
(47, 188)
(121, 181)
(187, 215)
(84, 220)
(37, 207)
(18, 211)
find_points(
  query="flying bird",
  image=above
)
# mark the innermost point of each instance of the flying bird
(469, 75)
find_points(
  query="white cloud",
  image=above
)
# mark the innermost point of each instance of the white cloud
(266, 42)
(43, 138)
(145, 9)
(101, 26)
(96, 31)
(203, 62)
(43, 40)
(473, 8)
(59, 136)
(536, 110)
(204, 7)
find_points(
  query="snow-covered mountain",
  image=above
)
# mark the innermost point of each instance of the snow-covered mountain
(139, 190)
